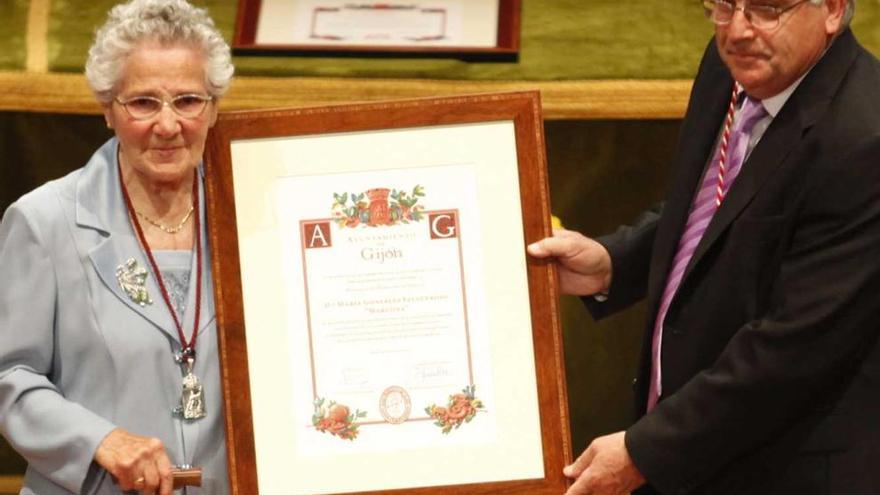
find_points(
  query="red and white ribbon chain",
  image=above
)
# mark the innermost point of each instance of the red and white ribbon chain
(725, 138)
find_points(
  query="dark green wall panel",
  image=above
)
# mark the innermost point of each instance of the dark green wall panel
(561, 40)
(13, 29)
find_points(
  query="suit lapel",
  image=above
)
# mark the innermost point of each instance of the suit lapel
(777, 143)
(108, 256)
(99, 206)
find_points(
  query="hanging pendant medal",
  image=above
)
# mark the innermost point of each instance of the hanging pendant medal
(192, 403)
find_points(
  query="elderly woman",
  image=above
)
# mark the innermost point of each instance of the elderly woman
(109, 373)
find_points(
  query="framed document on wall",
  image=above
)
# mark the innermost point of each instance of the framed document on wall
(381, 327)
(460, 28)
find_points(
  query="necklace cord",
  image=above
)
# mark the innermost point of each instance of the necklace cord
(188, 349)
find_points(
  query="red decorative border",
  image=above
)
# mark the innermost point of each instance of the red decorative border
(467, 334)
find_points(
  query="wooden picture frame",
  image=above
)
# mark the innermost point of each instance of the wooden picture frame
(529, 398)
(288, 36)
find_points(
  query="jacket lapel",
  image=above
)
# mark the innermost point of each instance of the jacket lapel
(99, 206)
(206, 316)
(777, 143)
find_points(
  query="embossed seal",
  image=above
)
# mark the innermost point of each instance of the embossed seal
(395, 405)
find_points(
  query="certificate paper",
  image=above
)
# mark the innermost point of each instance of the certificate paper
(381, 328)
(394, 321)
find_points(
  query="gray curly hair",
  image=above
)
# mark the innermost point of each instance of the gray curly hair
(165, 21)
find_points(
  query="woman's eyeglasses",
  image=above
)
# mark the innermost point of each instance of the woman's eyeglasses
(188, 106)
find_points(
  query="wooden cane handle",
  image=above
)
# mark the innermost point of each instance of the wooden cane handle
(179, 478)
(187, 477)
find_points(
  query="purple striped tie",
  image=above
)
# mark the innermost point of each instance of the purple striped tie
(702, 210)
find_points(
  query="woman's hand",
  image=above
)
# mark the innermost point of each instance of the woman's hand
(584, 264)
(137, 463)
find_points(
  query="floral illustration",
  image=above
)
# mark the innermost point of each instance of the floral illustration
(461, 408)
(336, 419)
(378, 206)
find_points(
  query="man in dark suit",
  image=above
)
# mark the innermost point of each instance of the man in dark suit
(761, 362)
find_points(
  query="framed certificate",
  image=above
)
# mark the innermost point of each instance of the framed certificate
(460, 28)
(381, 327)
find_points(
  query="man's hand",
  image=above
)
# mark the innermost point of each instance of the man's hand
(584, 264)
(137, 463)
(605, 468)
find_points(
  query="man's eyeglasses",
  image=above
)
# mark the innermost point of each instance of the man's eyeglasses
(761, 16)
(188, 106)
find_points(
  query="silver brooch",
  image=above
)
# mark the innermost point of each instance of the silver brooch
(133, 281)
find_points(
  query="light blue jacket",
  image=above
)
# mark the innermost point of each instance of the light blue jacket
(77, 356)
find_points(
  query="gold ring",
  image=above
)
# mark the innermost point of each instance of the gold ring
(139, 483)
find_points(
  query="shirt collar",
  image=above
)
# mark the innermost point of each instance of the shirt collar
(775, 103)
